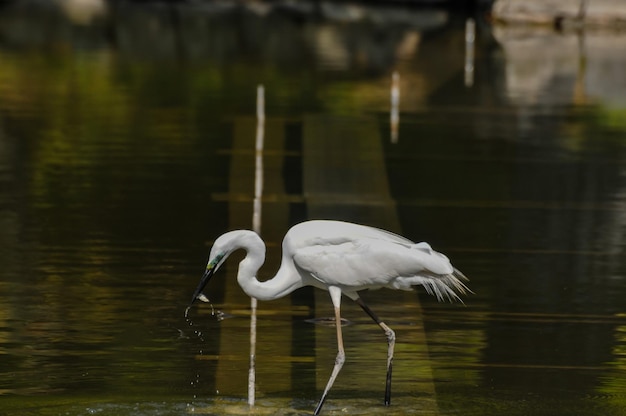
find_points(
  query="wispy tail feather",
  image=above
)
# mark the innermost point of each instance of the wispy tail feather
(459, 275)
(446, 286)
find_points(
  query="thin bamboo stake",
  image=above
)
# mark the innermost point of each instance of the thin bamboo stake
(470, 38)
(256, 227)
(394, 113)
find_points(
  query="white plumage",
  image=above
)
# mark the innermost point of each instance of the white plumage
(343, 258)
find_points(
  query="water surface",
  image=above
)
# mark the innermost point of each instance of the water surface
(125, 152)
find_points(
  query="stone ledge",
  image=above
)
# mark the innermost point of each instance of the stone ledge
(561, 13)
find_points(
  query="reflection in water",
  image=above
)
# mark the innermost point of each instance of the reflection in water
(127, 143)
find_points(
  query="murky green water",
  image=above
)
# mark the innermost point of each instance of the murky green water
(126, 147)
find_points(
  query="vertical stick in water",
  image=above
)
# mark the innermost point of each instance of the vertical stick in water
(470, 37)
(395, 106)
(256, 226)
(258, 173)
(582, 10)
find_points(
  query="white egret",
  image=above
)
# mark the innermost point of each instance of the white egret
(342, 258)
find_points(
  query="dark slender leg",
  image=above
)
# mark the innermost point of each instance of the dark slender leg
(391, 342)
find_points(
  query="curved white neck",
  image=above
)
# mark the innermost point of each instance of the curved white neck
(283, 283)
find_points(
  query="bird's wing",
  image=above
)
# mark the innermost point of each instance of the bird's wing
(385, 235)
(362, 262)
(337, 232)
(341, 262)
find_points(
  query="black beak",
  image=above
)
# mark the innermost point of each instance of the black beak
(203, 282)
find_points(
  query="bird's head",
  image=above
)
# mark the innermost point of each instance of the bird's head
(222, 248)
